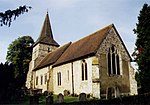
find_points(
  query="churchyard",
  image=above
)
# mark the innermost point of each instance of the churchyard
(83, 99)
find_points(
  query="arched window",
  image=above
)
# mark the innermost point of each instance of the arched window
(59, 78)
(113, 64)
(118, 64)
(84, 70)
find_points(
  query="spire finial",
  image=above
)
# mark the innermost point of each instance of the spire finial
(47, 10)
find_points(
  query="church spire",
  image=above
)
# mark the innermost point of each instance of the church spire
(46, 35)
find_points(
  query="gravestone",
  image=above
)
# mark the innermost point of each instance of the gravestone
(34, 100)
(117, 92)
(66, 92)
(60, 98)
(82, 97)
(49, 100)
(110, 92)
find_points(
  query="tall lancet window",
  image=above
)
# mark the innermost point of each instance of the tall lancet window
(84, 70)
(113, 63)
(59, 78)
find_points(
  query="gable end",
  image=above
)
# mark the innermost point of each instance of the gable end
(113, 38)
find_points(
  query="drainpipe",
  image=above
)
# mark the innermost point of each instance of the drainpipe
(48, 79)
(72, 79)
(33, 79)
(99, 66)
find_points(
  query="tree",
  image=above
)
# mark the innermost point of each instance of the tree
(142, 50)
(7, 81)
(19, 54)
(9, 15)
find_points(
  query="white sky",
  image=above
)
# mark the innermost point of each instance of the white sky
(71, 19)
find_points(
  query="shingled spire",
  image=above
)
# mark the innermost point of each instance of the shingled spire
(46, 35)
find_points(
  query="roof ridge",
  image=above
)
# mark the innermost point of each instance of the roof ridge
(111, 25)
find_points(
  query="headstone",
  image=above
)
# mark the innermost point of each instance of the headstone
(66, 92)
(45, 93)
(117, 92)
(60, 98)
(49, 100)
(109, 93)
(82, 97)
(34, 100)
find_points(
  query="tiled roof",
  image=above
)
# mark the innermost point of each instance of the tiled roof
(86, 46)
(46, 36)
(52, 57)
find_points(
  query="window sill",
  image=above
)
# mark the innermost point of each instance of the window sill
(114, 75)
(84, 81)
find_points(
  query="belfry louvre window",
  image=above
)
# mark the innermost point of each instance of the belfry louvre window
(84, 70)
(113, 63)
(59, 78)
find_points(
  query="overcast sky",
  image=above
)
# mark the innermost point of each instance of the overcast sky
(71, 19)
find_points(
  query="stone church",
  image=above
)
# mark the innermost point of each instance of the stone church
(98, 64)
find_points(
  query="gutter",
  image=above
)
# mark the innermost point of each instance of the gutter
(72, 78)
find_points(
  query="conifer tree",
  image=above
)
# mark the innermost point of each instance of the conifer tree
(142, 50)
(8, 16)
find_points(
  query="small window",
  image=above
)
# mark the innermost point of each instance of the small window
(41, 79)
(45, 78)
(113, 64)
(118, 64)
(68, 74)
(86, 76)
(109, 63)
(84, 72)
(49, 49)
(37, 80)
(59, 78)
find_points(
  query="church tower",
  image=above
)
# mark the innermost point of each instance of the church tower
(44, 44)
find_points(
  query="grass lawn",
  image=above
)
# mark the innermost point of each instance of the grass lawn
(67, 99)
(42, 100)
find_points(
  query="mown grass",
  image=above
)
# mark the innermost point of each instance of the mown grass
(67, 99)
(42, 100)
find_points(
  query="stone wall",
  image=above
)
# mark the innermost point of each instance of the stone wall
(82, 86)
(120, 82)
(38, 53)
(29, 76)
(90, 86)
(42, 72)
(112, 81)
(133, 82)
(66, 78)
